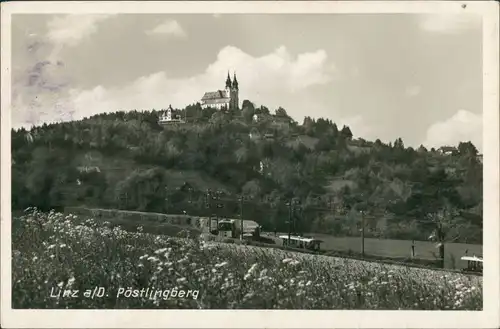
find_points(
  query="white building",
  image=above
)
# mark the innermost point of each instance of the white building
(169, 116)
(227, 98)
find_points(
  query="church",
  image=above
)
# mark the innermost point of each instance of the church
(222, 99)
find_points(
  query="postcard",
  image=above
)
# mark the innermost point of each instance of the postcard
(250, 164)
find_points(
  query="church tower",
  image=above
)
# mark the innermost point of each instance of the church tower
(234, 93)
(228, 86)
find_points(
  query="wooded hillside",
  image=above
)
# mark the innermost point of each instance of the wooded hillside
(126, 160)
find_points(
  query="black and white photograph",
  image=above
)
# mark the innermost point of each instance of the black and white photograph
(258, 156)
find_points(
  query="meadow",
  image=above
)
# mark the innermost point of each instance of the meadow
(65, 251)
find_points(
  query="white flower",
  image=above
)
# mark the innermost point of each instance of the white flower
(252, 269)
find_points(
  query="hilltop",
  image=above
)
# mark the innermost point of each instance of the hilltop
(127, 160)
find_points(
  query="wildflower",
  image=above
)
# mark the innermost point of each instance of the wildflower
(221, 264)
(252, 269)
(159, 251)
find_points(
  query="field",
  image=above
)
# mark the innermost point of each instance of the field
(56, 251)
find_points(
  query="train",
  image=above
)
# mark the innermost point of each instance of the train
(231, 228)
(301, 242)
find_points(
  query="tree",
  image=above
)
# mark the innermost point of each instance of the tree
(422, 149)
(247, 104)
(346, 132)
(443, 222)
(398, 144)
(281, 112)
(247, 113)
(263, 110)
(467, 148)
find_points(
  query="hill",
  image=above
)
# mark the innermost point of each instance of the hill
(126, 160)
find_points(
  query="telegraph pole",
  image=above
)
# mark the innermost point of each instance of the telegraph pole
(362, 234)
(241, 217)
(289, 221)
(207, 199)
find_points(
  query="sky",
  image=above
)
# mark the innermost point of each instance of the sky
(412, 76)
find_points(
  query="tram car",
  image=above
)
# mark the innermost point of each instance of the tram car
(231, 228)
(474, 264)
(301, 242)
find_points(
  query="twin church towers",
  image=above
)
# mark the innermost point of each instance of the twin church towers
(227, 98)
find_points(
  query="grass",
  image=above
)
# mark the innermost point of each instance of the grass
(67, 252)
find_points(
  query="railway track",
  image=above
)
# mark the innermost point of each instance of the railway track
(318, 256)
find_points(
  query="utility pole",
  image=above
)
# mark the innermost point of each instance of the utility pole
(441, 237)
(241, 217)
(289, 221)
(217, 197)
(362, 234)
(208, 205)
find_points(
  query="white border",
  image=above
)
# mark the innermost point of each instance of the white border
(488, 318)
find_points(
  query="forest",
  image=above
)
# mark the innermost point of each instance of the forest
(253, 163)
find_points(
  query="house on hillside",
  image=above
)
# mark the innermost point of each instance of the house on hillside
(447, 150)
(170, 116)
(279, 121)
(88, 169)
(222, 99)
(269, 135)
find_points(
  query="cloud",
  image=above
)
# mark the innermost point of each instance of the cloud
(169, 27)
(412, 91)
(72, 29)
(449, 23)
(461, 127)
(267, 80)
